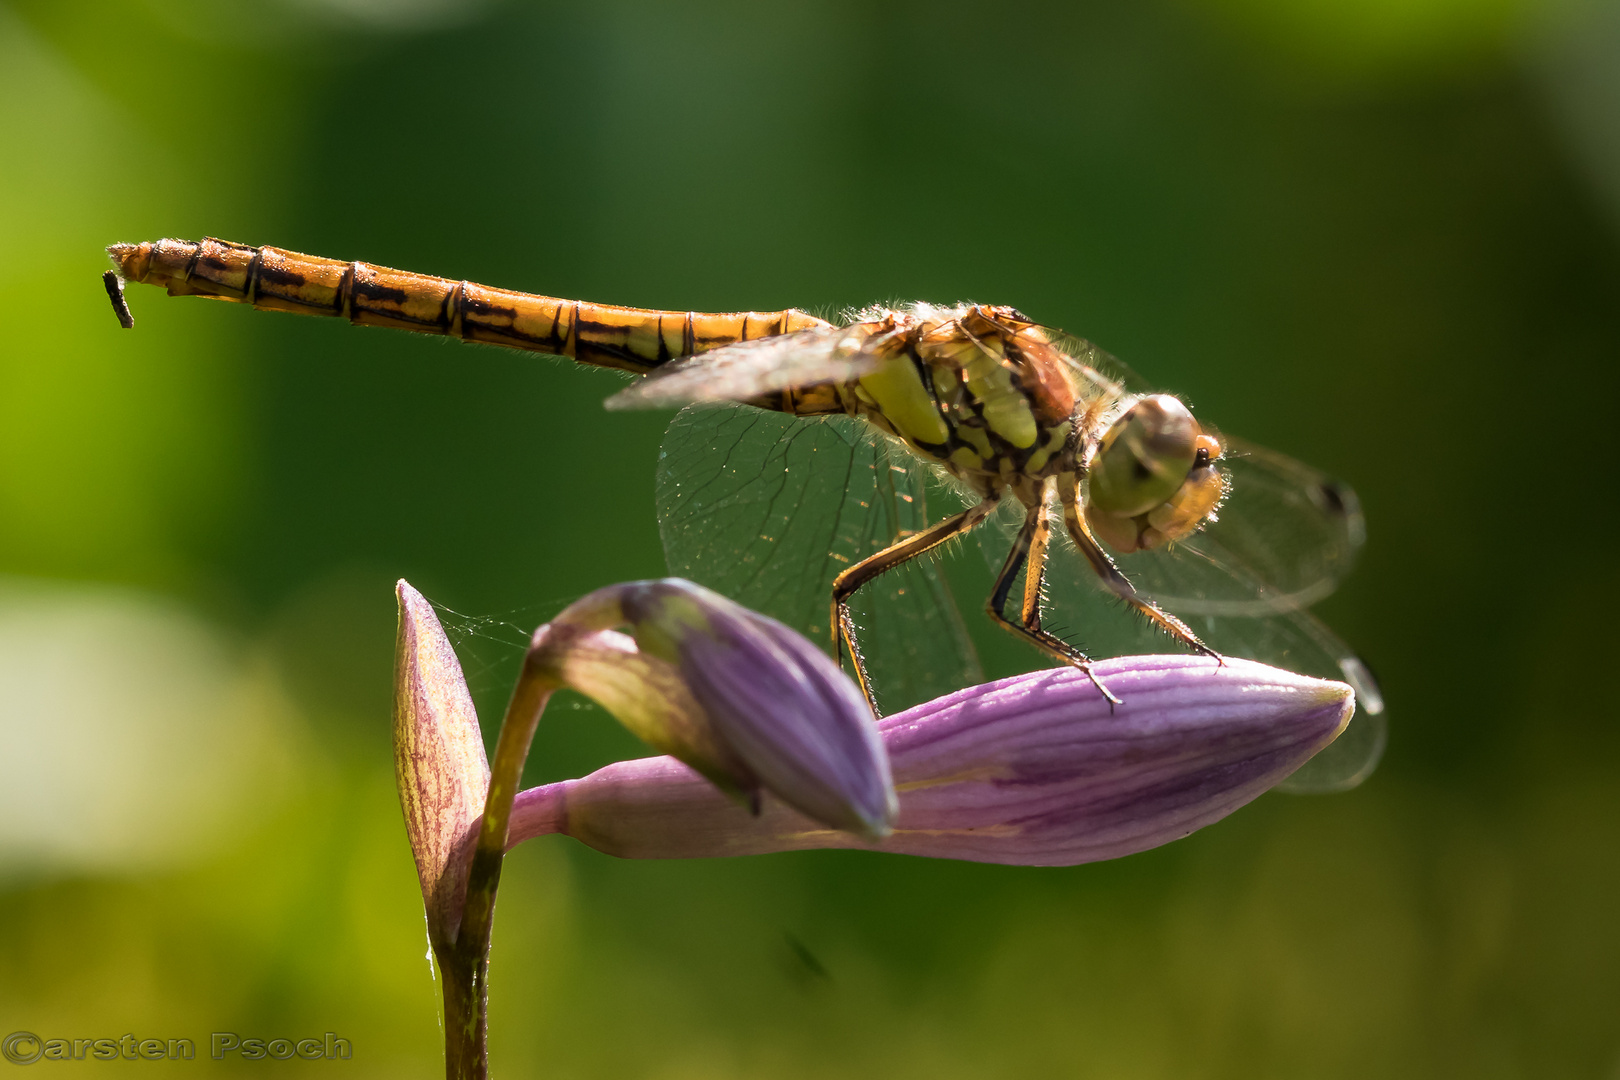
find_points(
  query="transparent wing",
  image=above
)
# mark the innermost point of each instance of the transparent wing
(767, 509)
(1082, 611)
(752, 368)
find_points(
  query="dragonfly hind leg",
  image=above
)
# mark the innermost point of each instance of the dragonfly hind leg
(1030, 549)
(902, 551)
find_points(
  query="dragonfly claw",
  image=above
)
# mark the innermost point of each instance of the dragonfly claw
(1113, 699)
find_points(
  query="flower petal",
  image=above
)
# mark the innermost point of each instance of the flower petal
(439, 760)
(757, 705)
(1033, 770)
(800, 722)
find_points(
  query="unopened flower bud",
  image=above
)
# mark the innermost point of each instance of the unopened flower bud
(439, 761)
(1035, 769)
(740, 698)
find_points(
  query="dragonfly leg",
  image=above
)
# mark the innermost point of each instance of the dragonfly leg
(1121, 586)
(1035, 579)
(1029, 549)
(902, 551)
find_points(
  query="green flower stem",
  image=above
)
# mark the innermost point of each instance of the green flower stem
(465, 961)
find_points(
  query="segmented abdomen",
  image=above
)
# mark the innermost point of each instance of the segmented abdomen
(602, 335)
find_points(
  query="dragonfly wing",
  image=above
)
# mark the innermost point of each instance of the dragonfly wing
(750, 369)
(1284, 538)
(768, 508)
(1081, 610)
(1353, 756)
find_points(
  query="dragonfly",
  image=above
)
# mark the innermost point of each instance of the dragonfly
(798, 474)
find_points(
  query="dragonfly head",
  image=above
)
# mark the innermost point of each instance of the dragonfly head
(1155, 477)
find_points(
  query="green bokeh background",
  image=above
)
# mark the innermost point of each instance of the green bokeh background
(1379, 236)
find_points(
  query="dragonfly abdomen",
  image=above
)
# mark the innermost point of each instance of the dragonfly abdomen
(602, 335)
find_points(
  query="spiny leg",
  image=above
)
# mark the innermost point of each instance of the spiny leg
(1035, 579)
(902, 551)
(1121, 586)
(1030, 549)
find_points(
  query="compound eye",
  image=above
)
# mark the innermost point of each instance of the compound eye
(1144, 458)
(1194, 502)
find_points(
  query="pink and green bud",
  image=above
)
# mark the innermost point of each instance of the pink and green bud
(740, 698)
(1034, 770)
(439, 761)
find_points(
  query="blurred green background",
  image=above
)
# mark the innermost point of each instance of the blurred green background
(1380, 236)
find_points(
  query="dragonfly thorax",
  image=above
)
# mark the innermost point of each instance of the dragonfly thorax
(977, 389)
(994, 400)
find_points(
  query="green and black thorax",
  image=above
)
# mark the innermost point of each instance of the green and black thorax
(979, 390)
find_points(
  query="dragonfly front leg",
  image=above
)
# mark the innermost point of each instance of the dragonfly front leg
(902, 551)
(1029, 549)
(1121, 586)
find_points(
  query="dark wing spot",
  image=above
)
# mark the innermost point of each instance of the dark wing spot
(1330, 497)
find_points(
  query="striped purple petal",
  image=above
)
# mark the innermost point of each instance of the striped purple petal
(1034, 770)
(758, 708)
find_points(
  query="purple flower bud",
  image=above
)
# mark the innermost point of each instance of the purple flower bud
(740, 698)
(439, 761)
(1035, 770)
